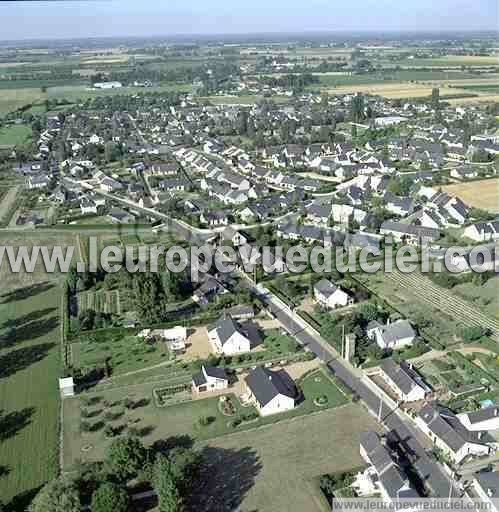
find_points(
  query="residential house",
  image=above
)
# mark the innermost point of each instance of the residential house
(271, 391)
(37, 181)
(483, 419)
(464, 172)
(389, 477)
(215, 218)
(403, 380)
(236, 238)
(409, 233)
(121, 216)
(229, 337)
(210, 378)
(331, 296)
(482, 231)
(448, 434)
(392, 336)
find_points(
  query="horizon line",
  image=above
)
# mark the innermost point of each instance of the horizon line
(184, 35)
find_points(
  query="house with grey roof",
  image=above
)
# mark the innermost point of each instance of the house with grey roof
(483, 419)
(270, 391)
(393, 335)
(330, 296)
(403, 380)
(210, 378)
(409, 233)
(448, 434)
(230, 337)
(388, 477)
(486, 486)
(482, 231)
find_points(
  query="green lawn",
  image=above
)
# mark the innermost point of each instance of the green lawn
(14, 134)
(29, 369)
(484, 296)
(123, 353)
(181, 419)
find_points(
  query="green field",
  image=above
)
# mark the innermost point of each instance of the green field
(489, 88)
(82, 92)
(15, 134)
(484, 297)
(331, 80)
(29, 368)
(451, 61)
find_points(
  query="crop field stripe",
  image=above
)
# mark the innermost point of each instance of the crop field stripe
(444, 300)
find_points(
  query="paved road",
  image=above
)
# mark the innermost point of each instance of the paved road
(429, 470)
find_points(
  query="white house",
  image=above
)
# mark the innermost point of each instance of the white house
(229, 234)
(228, 338)
(331, 296)
(403, 380)
(482, 231)
(392, 336)
(483, 419)
(37, 181)
(448, 434)
(210, 378)
(271, 391)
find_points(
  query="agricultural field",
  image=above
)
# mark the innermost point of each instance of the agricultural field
(417, 298)
(394, 90)
(482, 194)
(15, 134)
(484, 297)
(180, 419)
(12, 99)
(29, 369)
(451, 61)
(307, 448)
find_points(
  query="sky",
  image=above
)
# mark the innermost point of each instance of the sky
(98, 18)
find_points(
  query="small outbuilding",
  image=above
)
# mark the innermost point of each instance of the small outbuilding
(67, 387)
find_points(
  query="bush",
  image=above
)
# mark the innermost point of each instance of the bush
(204, 421)
(85, 426)
(474, 333)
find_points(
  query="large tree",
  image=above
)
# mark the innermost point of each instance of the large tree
(110, 498)
(165, 485)
(126, 457)
(59, 495)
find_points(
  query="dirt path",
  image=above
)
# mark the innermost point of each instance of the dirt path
(436, 354)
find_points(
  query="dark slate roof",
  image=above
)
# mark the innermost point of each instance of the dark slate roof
(225, 328)
(410, 229)
(215, 372)
(325, 287)
(398, 375)
(391, 477)
(266, 384)
(445, 425)
(483, 414)
(212, 371)
(489, 482)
